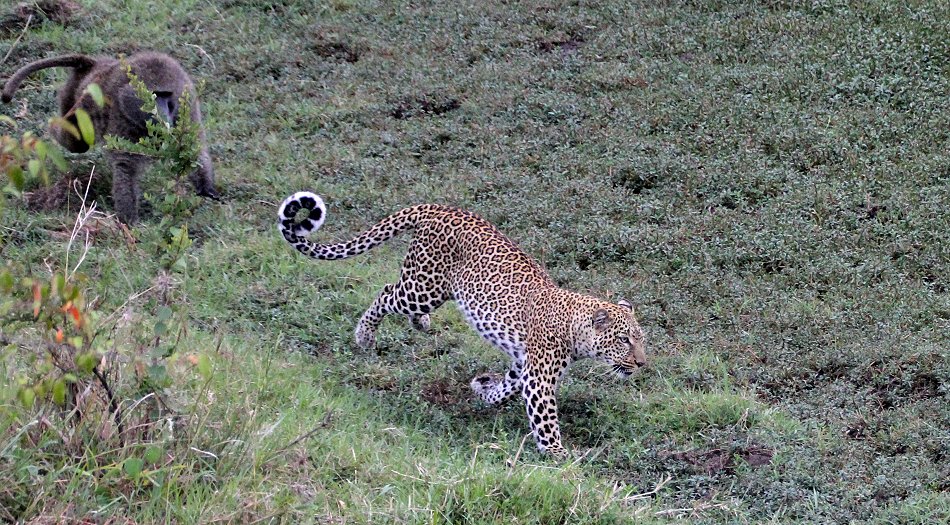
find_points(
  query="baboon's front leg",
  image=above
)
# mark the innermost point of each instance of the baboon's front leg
(126, 170)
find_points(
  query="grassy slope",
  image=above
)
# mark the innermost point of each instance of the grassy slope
(767, 181)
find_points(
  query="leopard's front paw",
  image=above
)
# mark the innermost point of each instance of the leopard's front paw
(484, 384)
(557, 452)
(420, 322)
(365, 338)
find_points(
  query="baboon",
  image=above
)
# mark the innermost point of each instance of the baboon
(122, 115)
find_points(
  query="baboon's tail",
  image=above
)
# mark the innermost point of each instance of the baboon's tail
(76, 61)
(296, 234)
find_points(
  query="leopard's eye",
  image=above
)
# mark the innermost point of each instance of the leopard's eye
(623, 339)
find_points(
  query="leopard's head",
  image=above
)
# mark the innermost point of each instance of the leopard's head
(617, 338)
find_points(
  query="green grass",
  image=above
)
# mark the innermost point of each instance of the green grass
(766, 181)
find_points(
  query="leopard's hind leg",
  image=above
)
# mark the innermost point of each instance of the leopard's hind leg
(369, 322)
(415, 295)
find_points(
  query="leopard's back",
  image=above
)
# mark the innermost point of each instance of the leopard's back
(488, 276)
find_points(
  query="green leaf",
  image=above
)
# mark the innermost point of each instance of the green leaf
(65, 125)
(16, 177)
(59, 392)
(41, 150)
(180, 265)
(6, 281)
(59, 161)
(27, 396)
(158, 376)
(133, 466)
(164, 313)
(34, 167)
(96, 93)
(85, 126)
(161, 329)
(59, 283)
(7, 120)
(204, 366)
(86, 362)
(153, 454)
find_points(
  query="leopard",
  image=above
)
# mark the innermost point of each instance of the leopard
(503, 294)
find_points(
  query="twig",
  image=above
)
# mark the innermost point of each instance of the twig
(660, 484)
(129, 238)
(16, 437)
(204, 53)
(140, 401)
(127, 301)
(471, 465)
(512, 462)
(17, 41)
(694, 510)
(113, 405)
(587, 453)
(327, 419)
(203, 452)
(81, 218)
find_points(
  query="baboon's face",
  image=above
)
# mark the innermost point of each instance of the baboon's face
(167, 104)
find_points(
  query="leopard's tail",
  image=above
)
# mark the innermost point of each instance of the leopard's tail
(296, 233)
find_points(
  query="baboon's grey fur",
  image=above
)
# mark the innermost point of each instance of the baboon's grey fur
(122, 115)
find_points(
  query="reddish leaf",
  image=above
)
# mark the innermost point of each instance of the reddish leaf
(72, 310)
(37, 299)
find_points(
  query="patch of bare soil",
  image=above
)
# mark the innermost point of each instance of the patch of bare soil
(428, 104)
(440, 392)
(59, 11)
(723, 459)
(329, 45)
(564, 45)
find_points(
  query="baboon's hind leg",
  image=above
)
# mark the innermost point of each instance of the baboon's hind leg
(203, 177)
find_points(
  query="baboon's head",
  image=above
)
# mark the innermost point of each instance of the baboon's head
(163, 77)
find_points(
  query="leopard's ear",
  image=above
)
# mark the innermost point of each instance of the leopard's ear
(624, 304)
(601, 319)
